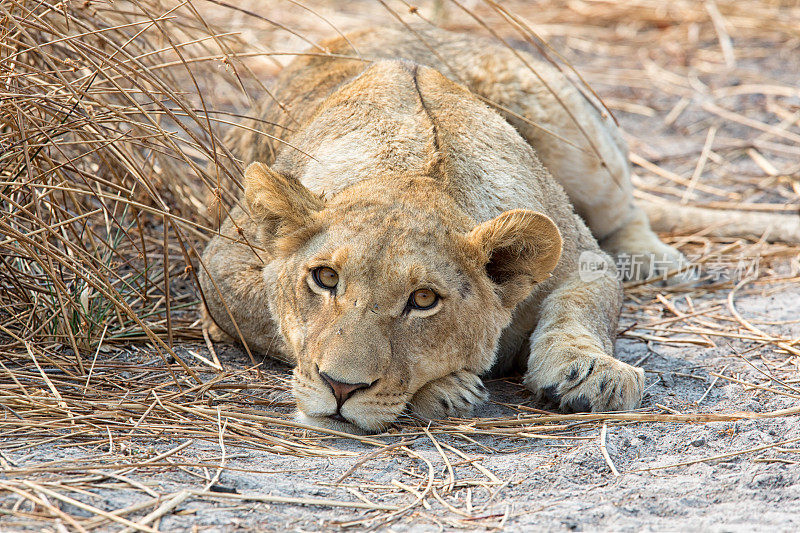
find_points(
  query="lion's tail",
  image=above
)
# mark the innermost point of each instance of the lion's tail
(675, 218)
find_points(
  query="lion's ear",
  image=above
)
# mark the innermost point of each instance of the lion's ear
(521, 248)
(278, 202)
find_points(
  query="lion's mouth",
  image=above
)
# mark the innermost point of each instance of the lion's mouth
(339, 418)
(335, 422)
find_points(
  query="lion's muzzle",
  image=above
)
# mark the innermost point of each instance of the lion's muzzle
(342, 391)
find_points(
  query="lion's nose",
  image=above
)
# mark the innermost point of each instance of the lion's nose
(342, 391)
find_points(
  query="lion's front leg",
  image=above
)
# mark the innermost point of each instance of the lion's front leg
(236, 293)
(454, 395)
(571, 362)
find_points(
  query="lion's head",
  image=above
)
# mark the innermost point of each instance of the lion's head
(387, 286)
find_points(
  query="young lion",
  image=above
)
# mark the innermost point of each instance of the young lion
(405, 237)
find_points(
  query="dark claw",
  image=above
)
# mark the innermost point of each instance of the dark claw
(446, 404)
(580, 405)
(551, 394)
(573, 373)
(586, 376)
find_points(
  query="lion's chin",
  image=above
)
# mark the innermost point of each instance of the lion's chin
(326, 422)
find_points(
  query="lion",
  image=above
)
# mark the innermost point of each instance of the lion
(415, 217)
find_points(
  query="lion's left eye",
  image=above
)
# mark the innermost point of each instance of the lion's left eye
(422, 299)
(325, 277)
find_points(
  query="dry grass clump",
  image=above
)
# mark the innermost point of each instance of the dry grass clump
(109, 154)
(111, 151)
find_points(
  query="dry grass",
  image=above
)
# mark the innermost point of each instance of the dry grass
(111, 151)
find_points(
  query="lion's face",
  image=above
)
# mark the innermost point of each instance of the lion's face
(383, 289)
(383, 300)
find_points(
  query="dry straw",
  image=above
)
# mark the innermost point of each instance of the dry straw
(112, 118)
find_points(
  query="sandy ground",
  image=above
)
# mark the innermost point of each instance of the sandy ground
(551, 484)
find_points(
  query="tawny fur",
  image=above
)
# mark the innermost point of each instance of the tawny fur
(397, 176)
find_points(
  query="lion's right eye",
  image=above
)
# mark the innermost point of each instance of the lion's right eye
(325, 277)
(423, 299)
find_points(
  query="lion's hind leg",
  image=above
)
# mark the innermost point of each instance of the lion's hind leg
(583, 150)
(640, 254)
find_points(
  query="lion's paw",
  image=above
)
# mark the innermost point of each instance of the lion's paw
(454, 395)
(585, 383)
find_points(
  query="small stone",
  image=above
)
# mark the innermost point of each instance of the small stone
(699, 442)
